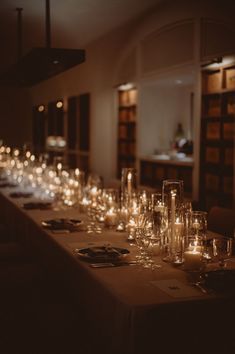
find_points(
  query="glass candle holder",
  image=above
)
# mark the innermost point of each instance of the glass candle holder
(111, 217)
(159, 214)
(222, 250)
(198, 223)
(172, 191)
(197, 227)
(128, 183)
(193, 254)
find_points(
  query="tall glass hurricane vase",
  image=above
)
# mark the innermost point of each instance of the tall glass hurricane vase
(172, 191)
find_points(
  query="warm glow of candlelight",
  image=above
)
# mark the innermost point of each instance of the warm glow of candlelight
(129, 181)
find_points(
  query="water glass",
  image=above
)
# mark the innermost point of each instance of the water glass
(222, 250)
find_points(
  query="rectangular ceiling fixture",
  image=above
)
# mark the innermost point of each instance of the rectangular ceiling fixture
(41, 63)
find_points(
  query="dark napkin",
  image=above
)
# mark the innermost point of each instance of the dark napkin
(62, 224)
(7, 185)
(103, 253)
(221, 280)
(21, 195)
(37, 205)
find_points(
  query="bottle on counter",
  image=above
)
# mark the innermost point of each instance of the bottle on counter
(179, 135)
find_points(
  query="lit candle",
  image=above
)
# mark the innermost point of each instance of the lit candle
(77, 172)
(192, 259)
(129, 187)
(94, 192)
(195, 246)
(178, 227)
(159, 208)
(155, 248)
(172, 218)
(110, 218)
(196, 224)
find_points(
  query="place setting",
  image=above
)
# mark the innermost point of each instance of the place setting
(17, 195)
(37, 205)
(63, 225)
(102, 255)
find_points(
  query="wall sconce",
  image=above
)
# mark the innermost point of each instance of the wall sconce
(59, 104)
(41, 108)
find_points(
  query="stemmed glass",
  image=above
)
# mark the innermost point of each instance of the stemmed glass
(142, 237)
(93, 190)
(197, 226)
(222, 250)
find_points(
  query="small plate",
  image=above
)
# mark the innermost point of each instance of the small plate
(102, 253)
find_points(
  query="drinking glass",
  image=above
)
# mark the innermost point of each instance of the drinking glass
(222, 250)
(173, 193)
(143, 232)
(198, 223)
(197, 227)
(159, 214)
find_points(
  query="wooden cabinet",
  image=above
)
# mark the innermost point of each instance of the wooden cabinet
(217, 137)
(127, 110)
(153, 172)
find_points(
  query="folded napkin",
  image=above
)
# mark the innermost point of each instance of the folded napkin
(7, 185)
(37, 205)
(103, 252)
(21, 195)
(62, 224)
(97, 254)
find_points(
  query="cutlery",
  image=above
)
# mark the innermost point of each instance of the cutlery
(203, 289)
(112, 264)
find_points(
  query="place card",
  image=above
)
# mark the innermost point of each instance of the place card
(177, 289)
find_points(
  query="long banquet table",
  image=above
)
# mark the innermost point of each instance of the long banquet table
(130, 310)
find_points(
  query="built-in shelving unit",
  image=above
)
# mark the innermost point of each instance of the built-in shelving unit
(127, 111)
(154, 171)
(64, 132)
(217, 137)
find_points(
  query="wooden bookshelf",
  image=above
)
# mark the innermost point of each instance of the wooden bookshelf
(127, 111)
(217, 137)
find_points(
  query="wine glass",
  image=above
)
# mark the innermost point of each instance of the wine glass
(197, 226)
(222, 250)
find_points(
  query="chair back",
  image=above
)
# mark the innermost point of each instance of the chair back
(222, 221)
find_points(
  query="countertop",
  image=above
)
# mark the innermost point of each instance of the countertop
(165, 159)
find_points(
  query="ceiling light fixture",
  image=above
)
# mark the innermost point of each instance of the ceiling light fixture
(41, 63)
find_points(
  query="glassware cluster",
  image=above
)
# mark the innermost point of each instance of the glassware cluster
(162, 225)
